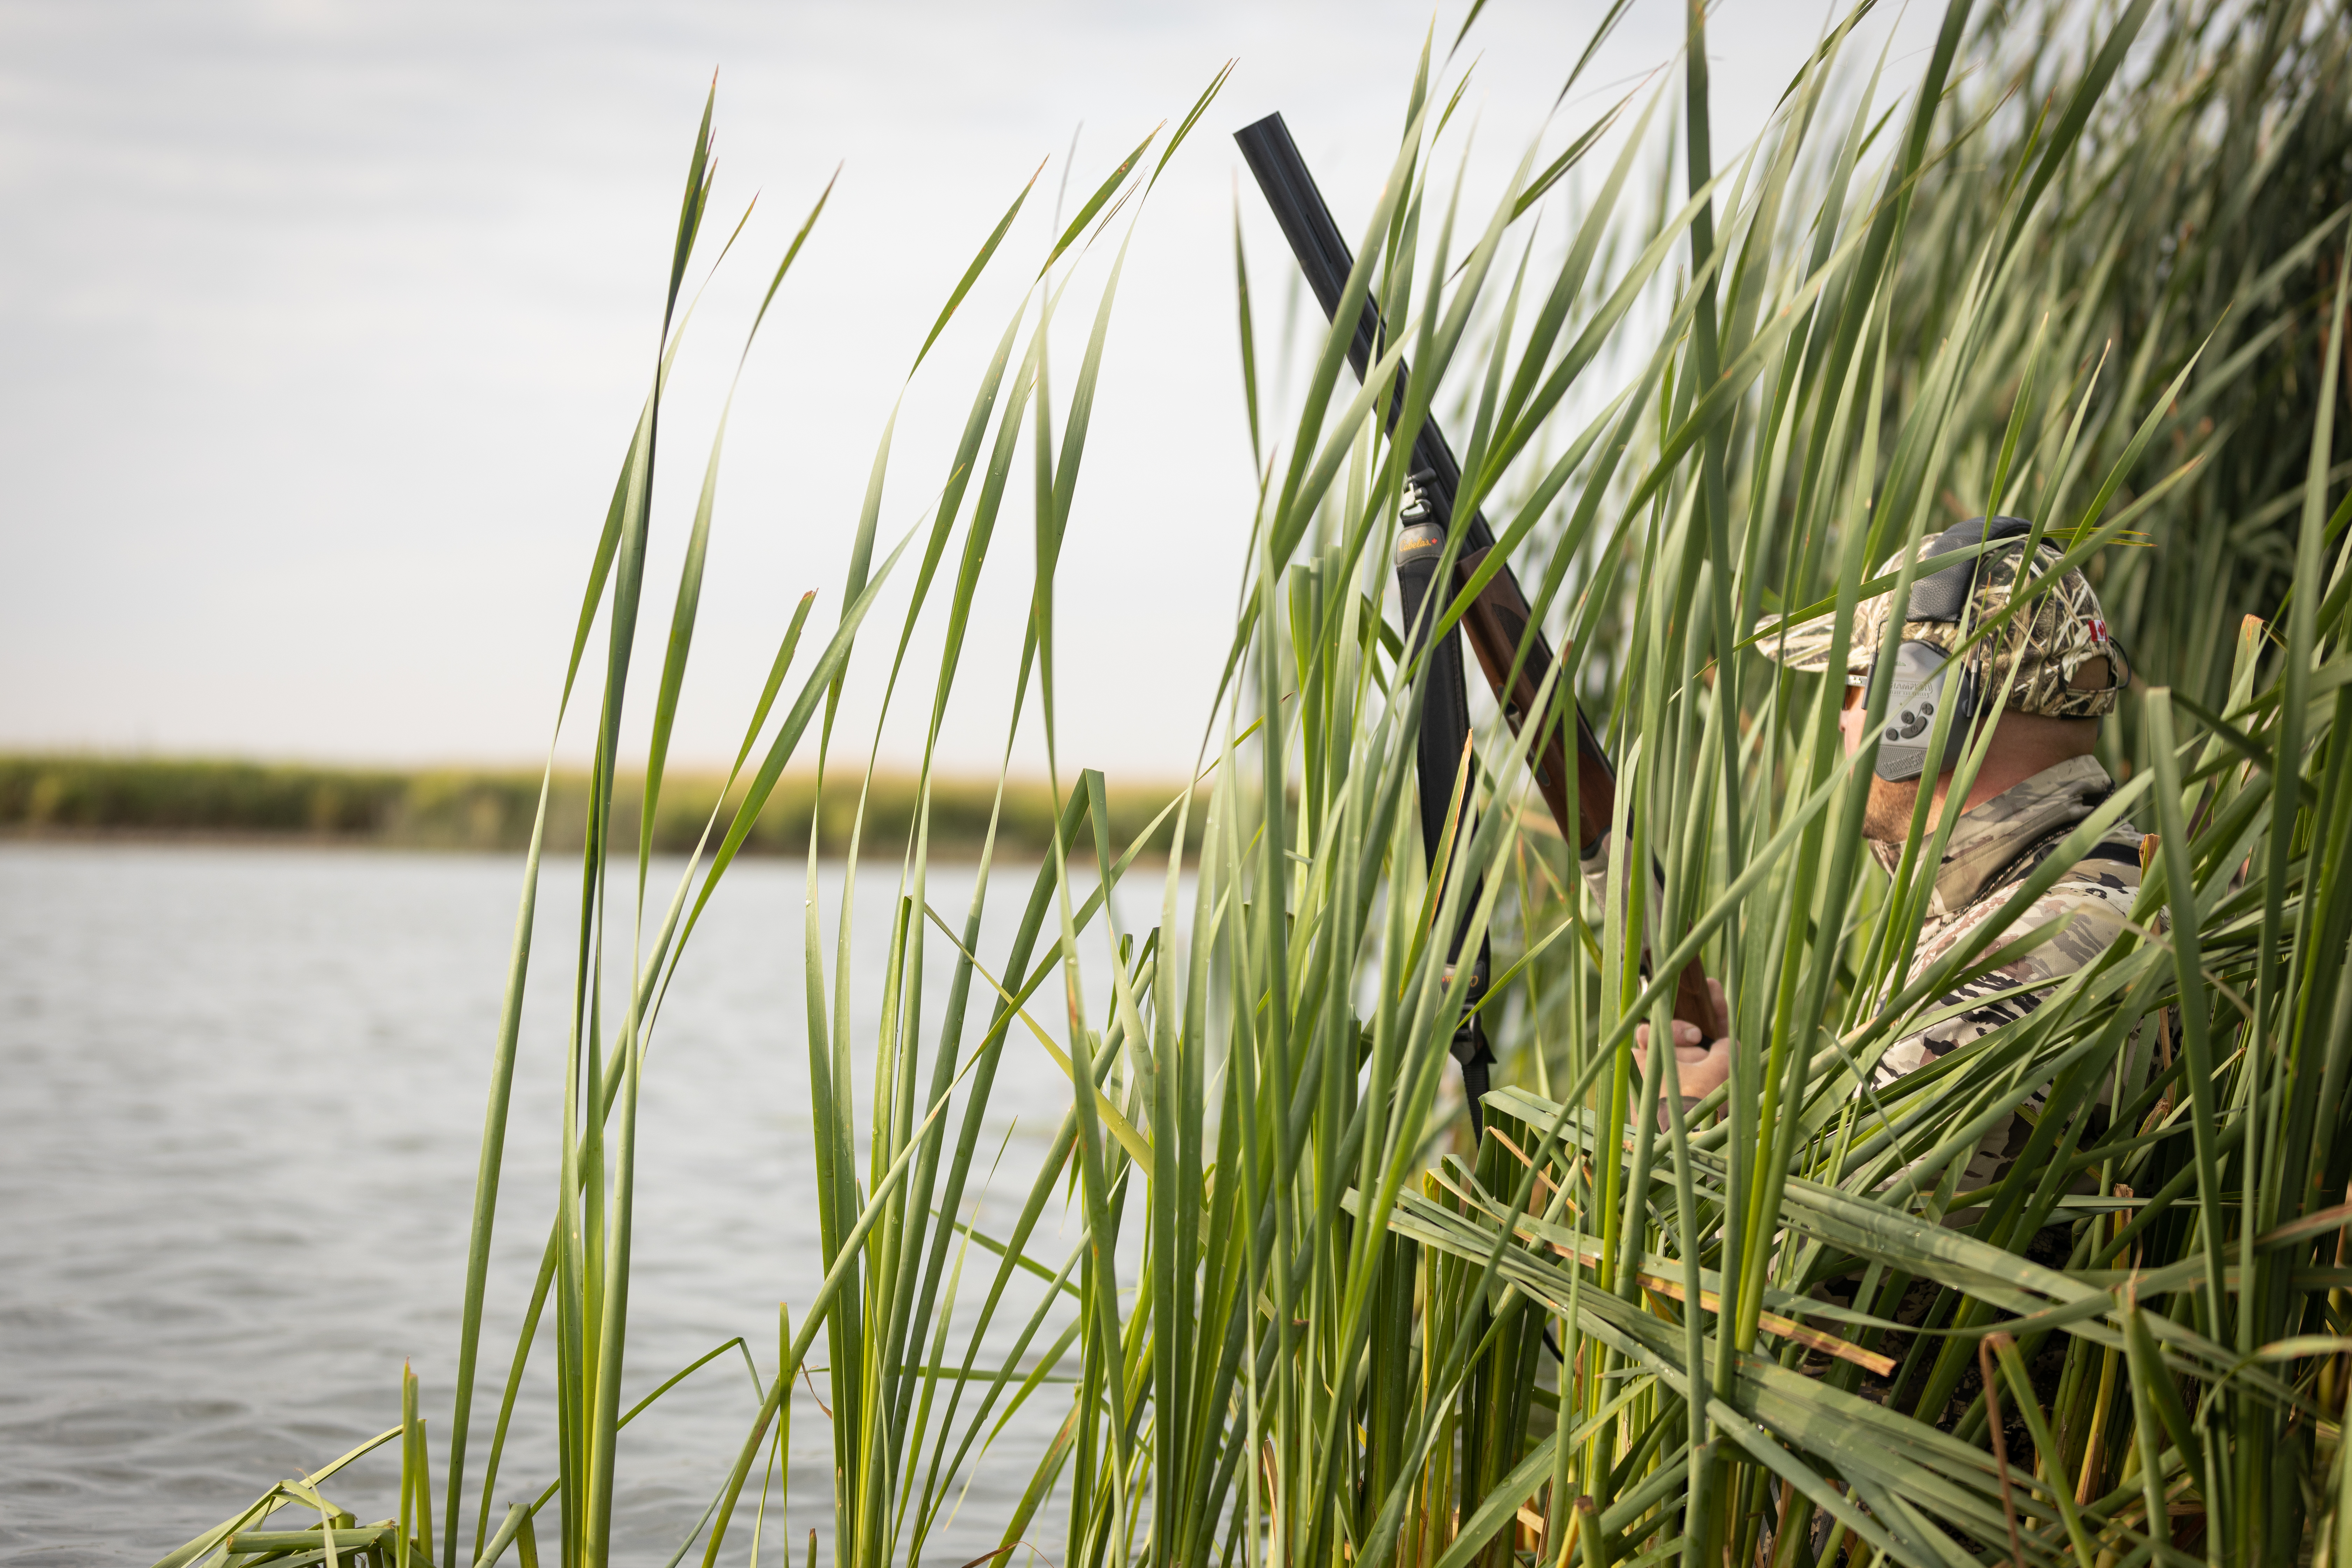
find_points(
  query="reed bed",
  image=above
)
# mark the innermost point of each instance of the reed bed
(2090, 267)
(482, 809)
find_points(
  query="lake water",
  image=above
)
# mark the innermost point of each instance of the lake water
(241, 1095)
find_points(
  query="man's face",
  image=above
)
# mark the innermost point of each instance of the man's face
(1887, 818)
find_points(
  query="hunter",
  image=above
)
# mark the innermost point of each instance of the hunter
(2037, 782)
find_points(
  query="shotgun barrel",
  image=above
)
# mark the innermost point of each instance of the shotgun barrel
(1511, 647)
(1499, 622)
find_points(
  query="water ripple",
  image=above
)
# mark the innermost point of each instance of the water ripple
(236, 1158)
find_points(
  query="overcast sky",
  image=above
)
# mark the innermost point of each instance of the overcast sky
(322, 326)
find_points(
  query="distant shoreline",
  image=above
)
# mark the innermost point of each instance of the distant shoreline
(66, 799)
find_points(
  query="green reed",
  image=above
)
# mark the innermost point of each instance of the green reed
(2088, 268)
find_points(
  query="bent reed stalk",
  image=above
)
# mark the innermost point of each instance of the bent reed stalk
(1304, 1323)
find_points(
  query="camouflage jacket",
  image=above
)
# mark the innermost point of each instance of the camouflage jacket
(1992, 849)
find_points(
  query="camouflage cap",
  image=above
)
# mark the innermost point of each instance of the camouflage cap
(2048, 643)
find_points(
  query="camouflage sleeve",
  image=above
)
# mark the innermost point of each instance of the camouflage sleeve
(2095, 905)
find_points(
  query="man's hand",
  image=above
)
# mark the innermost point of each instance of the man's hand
(1701, 1068)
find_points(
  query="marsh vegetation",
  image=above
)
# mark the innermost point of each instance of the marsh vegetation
(2088, 267)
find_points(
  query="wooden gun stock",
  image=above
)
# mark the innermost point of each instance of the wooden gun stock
(1497, 626)
(1496, 623)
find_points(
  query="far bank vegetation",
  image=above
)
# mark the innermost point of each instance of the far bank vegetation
(68, 796)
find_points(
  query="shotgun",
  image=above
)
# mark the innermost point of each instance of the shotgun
(1512, 651)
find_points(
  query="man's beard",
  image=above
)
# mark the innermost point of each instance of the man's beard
(1887, 818)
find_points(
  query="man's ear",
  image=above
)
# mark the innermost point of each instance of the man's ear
(2093, 674)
